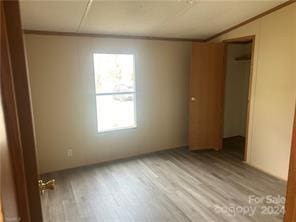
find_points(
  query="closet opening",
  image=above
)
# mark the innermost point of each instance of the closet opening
(238, 65)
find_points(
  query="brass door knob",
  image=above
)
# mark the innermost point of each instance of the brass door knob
(49, 185)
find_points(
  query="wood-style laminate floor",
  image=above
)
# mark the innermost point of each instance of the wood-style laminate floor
(173, 185)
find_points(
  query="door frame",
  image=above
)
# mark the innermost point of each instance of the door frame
(241, 40)
(14, 146)
(19, 107)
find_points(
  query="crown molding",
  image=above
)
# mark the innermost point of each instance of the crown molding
(77, 34)
(252, 19)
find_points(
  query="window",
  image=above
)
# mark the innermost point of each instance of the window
(115, 91)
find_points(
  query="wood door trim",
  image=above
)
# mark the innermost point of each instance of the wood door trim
(23, 105)
(243, 40)
(240, 40)
(276, 8)
(12, 126)
(290, 214)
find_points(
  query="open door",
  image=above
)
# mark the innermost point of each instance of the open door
(290, 214)
(206, 96)
(20, 200)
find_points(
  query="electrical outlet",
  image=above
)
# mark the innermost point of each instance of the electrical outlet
(69, 152)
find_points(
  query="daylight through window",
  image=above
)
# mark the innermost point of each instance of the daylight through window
(115, 91)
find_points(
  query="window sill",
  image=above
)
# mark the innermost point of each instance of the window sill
(116, 130)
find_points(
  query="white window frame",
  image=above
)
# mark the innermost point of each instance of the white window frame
(134, 92)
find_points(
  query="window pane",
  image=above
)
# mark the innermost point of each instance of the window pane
(115, 111)
(114, 73)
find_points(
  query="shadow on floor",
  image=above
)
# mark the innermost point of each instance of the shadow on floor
(235, 146)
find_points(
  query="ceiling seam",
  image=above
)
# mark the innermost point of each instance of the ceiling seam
(84, 15)
(88, 4)
(179, 14)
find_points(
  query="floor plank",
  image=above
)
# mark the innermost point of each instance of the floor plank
(173, 185)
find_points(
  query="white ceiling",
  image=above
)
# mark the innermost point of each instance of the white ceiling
(167, 18)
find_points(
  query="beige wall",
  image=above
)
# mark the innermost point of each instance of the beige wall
(273, 89)
(63, 95)
(236, 90)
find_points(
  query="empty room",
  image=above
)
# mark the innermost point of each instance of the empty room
(148, 111)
